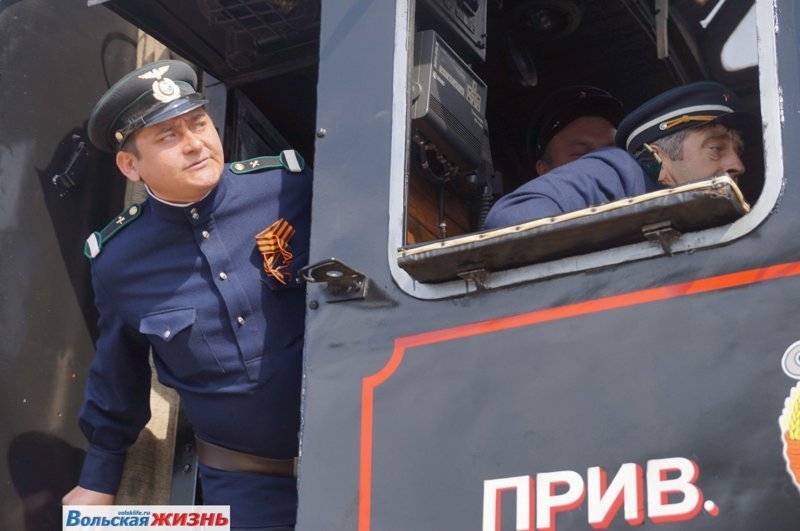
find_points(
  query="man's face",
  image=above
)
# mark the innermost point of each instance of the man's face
(579, 137)
(707, 151)
(180, 159)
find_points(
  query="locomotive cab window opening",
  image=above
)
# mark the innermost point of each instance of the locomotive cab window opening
(480, 70)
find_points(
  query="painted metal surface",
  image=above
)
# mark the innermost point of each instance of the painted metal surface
(395, 441)
(54, 64)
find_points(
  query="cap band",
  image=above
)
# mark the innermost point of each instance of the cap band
(158, 113)
(685, 119)
(674, 114)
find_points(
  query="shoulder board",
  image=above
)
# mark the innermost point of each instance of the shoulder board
(94, 243)
(289, 160)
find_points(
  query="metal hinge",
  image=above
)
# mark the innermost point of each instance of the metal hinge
(662, 233)
(343, 282)
(476, 275)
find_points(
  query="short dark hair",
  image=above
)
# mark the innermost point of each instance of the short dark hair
(129, 146)
(673, 144)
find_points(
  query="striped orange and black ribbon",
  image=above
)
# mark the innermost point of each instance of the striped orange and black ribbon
(273, 244)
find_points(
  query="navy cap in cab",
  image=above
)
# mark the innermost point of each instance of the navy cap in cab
(147, 96)
(688, 106)
(564, 106)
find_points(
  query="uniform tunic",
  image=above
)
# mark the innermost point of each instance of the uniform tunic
(599, 177)
(189, 282)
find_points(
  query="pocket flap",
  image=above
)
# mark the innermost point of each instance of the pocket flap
(167, 323)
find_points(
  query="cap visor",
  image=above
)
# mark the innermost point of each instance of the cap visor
(175, 108)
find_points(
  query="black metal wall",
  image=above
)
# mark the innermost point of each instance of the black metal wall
(56, 59)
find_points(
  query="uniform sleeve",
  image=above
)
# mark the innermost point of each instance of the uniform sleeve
(532, 200)
(117, 401)
(597, 178)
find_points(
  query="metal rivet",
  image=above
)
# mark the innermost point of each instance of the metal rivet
(167, 333)
(240, 320)
(205, 234)
(321, 132)
(223, 275)
(187, 469)
(313, 305)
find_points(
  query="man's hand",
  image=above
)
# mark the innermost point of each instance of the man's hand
(81, 496)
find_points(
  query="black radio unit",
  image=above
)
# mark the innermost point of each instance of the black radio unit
(448, 110)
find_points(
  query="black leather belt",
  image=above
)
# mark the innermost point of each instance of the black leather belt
(233, 461)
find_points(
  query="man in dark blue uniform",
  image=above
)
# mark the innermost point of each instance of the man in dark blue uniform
(687, 133)
(570, 123)
(204, 273)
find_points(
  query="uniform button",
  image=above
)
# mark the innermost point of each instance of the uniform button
(167, 333)
(194, 214)
(205, 234)
(240, 320)
(223, 275)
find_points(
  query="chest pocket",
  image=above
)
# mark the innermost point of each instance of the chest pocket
(180, 344)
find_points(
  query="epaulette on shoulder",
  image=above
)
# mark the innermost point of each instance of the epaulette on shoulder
(94, 243)
(289, 160)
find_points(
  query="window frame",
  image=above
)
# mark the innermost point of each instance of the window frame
(771, 114)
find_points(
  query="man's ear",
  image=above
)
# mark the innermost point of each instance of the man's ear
(542, 167)
(665, 174)
(655, 150)
(126, 163)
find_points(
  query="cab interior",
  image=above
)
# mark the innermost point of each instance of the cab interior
(534, 47)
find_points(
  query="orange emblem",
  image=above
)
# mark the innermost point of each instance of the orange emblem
(790, 416)
(273, 244)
